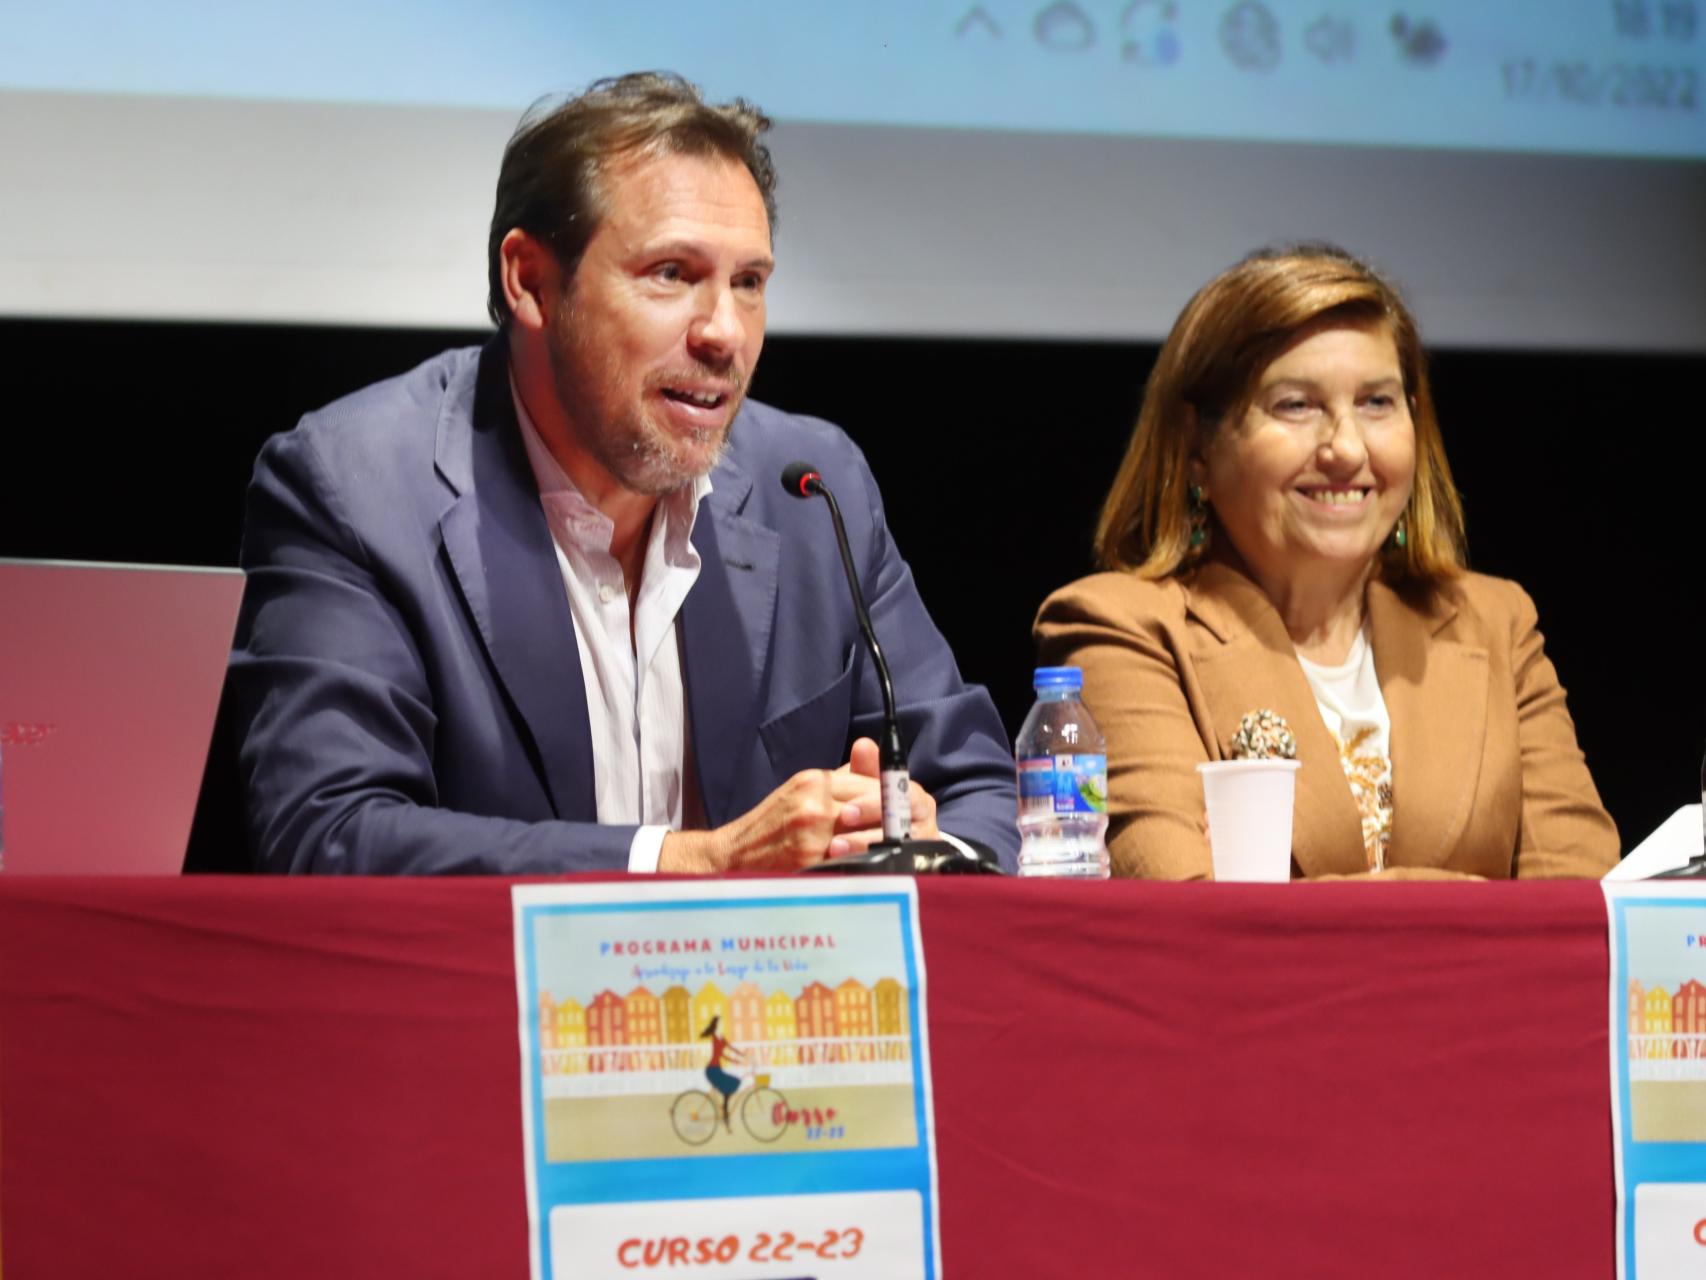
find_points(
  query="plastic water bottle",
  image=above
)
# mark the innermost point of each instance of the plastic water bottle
(1063, 782)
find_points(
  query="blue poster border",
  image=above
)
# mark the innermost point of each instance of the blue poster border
(710, 1177)
(1638, 1163)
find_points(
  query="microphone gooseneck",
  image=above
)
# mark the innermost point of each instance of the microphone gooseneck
(802, 480)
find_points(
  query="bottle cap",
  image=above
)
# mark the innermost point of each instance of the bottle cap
(1057, 678)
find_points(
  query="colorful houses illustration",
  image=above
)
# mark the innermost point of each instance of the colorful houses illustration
(646, 1031)
(1667, 1025)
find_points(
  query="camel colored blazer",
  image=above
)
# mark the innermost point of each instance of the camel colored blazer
(1487, 779)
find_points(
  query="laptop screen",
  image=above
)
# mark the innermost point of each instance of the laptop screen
(109, 682)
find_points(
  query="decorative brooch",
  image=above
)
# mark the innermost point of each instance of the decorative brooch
(1264, 735)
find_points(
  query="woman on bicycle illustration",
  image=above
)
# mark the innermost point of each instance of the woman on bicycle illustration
(763, 1110)
(725, 1084)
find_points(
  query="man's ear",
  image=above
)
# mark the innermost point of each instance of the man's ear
(531, 279)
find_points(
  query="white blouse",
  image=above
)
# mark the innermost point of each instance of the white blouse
(1355, 711)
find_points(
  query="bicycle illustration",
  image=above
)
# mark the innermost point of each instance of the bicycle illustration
(763, 1113)
(694, 1114)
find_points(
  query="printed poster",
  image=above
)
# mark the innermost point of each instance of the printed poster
(1658, 1077)
(726, 1080)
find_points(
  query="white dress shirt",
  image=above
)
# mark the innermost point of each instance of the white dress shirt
(630, 660)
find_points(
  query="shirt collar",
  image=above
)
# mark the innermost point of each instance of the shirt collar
(576, 522)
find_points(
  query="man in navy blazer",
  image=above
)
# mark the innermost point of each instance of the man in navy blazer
(416, 682)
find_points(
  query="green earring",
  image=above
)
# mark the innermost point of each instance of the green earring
(1400, 535)
(1199, 518)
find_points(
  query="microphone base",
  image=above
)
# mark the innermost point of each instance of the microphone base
(909, 858)
(1693, 869)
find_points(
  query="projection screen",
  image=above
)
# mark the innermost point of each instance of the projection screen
(1533, 172)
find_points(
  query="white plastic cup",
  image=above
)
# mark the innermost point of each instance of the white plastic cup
(1249, 817)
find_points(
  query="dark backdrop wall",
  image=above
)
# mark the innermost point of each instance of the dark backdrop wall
(1581, 474)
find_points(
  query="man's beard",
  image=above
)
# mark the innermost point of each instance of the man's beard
(643, 456)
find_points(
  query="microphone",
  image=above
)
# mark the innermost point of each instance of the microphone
(803, 481)
(897, 851)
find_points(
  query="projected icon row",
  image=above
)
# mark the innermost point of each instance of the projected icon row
(1147, 32)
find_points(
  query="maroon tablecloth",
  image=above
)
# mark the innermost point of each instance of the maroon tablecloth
(259, 1078)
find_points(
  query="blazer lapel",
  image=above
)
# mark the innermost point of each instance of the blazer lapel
(726, 623)
(500, 550)
(1246, 662)
(1436, 695)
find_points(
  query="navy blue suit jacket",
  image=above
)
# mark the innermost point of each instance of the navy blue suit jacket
(406, 685)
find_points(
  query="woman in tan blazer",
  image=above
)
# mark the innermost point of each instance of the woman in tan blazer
(1284, 535)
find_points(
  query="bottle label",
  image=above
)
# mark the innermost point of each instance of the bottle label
(1063, 784)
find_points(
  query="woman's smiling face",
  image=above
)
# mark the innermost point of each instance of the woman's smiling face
(1318, 468)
